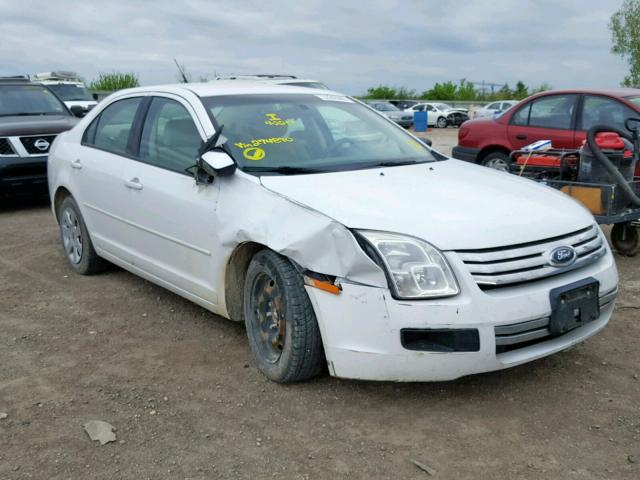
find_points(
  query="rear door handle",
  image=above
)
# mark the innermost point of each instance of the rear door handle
(521, 137)
(76, 164)
(134, 184)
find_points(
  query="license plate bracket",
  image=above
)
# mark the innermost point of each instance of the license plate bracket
(574, 305)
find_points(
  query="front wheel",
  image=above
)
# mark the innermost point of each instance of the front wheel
(442, 122)
(625, 239)
(281, 325)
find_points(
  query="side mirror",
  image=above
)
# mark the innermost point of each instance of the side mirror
(215, 163)
(78, 110)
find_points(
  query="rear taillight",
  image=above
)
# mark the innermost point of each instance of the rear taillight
(463, 132)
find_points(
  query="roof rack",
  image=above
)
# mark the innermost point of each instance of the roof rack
(57, 75)
(15, 79)
(255, 77)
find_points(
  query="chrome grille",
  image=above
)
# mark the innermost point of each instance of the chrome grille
(5, 147)
(494, 267)
(32, 146)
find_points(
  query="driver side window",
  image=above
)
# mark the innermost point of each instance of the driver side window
(170, 139)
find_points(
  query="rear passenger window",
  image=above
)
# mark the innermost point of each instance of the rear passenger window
(170, 139)
(110, 130)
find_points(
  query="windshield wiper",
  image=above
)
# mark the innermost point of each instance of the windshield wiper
(399, 163)
(285, 170)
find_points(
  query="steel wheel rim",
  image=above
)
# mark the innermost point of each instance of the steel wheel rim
(442, 122)
(268, 317)
(498, 164)
(71, 235)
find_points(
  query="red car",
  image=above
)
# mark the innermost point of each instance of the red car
(560, 116)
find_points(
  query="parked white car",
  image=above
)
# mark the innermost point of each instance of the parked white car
(342, 241)
(439, 114)
(494, 109)
(68, 87)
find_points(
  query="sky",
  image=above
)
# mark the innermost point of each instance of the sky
(348, 45)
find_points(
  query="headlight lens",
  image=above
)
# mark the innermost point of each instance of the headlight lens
(415, 268)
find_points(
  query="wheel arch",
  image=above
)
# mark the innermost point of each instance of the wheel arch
(491, 149)
(234, 277)
(61, 193)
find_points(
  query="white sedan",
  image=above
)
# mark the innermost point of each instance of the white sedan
(440, 114)
(495, 108)
(339, 239)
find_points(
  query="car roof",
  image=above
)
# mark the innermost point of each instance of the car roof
(612, 92)
(231, 87)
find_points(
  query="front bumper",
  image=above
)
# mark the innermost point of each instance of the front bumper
(465, 153)
(404, 123)
(22, 176)
(361, 326)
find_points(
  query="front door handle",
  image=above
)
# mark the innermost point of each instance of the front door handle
(134, 183)
(521, 137)
(76, 164)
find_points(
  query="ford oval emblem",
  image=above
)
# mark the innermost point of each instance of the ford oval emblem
(41, 144)
(562, 256)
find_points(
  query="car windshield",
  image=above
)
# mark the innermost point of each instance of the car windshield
(635, 100)
(70, 92)
(385, 107)
(310, 133)
(29, 100)
(442, 106)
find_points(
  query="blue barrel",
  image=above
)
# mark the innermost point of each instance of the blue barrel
(420, 121)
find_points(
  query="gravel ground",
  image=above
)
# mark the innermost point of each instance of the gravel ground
(177, 384)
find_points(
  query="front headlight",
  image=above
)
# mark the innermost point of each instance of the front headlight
(415, 268)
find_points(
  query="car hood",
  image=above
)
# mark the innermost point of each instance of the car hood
(35, 124)
(453, 110)
(451, 204)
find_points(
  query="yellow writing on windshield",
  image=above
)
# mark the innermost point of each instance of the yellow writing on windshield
(275, 120)
(263, 141)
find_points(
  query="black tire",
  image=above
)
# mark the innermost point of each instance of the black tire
(291, 349)
(83, 260)
(625, 239)
(498, 161)
(442, 122)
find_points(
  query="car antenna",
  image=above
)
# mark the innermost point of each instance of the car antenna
(184, 77)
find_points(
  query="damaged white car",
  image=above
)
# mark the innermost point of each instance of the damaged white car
(337, 237)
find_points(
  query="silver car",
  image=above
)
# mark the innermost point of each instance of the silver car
(389, 110)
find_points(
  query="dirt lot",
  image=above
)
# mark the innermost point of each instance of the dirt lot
(178, 385)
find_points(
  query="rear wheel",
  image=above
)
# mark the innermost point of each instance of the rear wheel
(625, 239)
(76, 241)
(497, 161)
(281, 325)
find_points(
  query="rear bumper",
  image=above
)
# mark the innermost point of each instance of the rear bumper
(467, 154)
(23, 176)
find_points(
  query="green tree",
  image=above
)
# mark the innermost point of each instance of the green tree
(110, 82)
(441, 91)
(466, 91)
(381, 92)
(521, 91)
(625, 35)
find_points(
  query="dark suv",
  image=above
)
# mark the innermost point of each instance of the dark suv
(31, 116)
